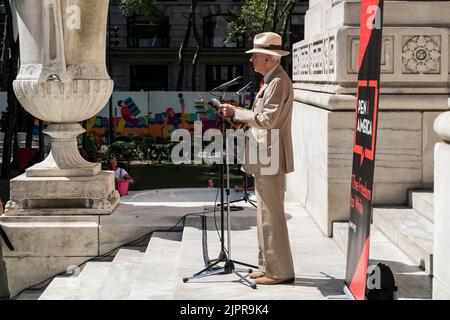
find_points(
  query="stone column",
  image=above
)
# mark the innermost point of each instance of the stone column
(441, 245)
(414, 90)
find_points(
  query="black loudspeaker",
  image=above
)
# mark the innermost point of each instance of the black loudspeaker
(386, 288)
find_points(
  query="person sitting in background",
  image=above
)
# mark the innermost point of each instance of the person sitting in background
(210, 183)
(120, 174)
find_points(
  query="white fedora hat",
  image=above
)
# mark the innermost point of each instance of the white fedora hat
(268, 43)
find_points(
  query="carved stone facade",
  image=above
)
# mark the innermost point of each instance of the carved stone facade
(314, 58)
(415, 88)
(421, 54)
(409, 58)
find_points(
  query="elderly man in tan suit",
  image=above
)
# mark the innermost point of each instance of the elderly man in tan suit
(270, 128)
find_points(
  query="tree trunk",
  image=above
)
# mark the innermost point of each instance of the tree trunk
(10, 68)
(4, 52)
(276, 10)
(288, 9)
(266, 15)
(30, 127)
(198, 51)
(182, 50)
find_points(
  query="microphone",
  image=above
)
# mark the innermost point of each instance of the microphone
(228, 84)
(215, 102)
(244, 89)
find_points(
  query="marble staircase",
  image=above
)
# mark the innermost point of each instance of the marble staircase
(134, 273)
(155, 271)
(409, 228)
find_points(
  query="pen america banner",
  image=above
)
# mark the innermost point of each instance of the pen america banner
(365, 138)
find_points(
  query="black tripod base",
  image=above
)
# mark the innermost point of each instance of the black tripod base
(228, 268)
(246, 199)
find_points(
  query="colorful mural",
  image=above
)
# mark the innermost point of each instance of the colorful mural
(155, 113)
(158, 113)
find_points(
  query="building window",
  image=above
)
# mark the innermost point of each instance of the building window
(297, 28)
(217, 30)
(219, 74)
(143, 77)
(145, 34)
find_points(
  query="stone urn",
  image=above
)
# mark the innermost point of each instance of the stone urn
(63, 78)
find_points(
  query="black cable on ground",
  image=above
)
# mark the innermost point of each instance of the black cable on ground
(6, 239)
(214, 210)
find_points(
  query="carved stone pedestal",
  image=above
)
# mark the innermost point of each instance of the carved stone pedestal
(64, 159)
(36, 196)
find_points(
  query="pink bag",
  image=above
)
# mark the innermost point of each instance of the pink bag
(122, 187)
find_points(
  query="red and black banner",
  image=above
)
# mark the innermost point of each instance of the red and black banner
(364, 147)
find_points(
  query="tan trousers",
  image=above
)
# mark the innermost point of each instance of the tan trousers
(275, 257)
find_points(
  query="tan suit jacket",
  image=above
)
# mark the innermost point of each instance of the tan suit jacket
(272, 109)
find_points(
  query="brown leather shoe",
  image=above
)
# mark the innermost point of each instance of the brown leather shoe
(257, 274)
(272, 281)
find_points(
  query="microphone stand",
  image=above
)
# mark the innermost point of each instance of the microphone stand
(225, 254)
(246, 196)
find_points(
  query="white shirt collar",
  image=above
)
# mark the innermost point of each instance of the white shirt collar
(269, 73)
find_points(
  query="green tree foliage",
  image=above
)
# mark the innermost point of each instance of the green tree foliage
(121, 150)
(145, 8)
(250, 19)
(255, 16)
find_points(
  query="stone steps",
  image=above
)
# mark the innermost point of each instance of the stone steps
(157, 272)
(410, 228)
(158, 268)
(409, 231)
(340, 235)
(78, 287)
(132, 274)
(91, 278)
(411, 280)
(122, 272)
(97, 280)
(423, 203)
